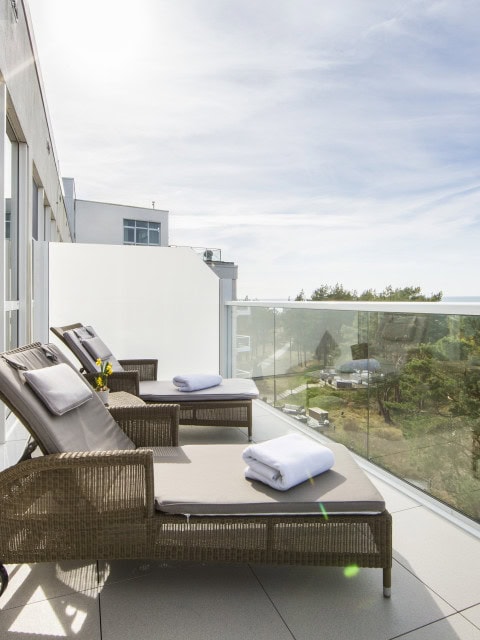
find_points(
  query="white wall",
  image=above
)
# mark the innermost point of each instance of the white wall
(143, 301)
(102, 222)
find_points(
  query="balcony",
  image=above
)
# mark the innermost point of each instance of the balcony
(436, 592)
(435, 588)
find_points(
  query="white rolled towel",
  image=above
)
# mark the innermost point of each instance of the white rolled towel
(287, 461)
(197, 381)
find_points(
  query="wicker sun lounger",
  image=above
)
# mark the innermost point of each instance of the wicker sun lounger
(95, 495)
(229, 404)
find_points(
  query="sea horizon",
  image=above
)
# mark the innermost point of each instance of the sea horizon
(466, 299)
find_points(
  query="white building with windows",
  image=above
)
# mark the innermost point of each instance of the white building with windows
(108, 223)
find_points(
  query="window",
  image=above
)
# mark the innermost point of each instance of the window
(141, 232)
(11, 239)
(34, 210)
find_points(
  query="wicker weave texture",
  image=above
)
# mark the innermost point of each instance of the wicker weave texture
(224, 413)
(100, 505)
(149, 425)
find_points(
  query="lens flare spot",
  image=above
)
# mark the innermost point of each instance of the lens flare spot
(351, 571)
(323, 510)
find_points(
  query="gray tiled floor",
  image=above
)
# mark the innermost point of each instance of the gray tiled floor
(435, 596)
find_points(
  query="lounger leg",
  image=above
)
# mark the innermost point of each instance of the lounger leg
(29, 449)
(387, 582)
(3, 579)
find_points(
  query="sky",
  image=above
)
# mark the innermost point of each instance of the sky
(314, 142)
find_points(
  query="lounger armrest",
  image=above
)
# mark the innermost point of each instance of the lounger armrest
(150, 425)
(147, 368)
(119, 381)
(86, 489)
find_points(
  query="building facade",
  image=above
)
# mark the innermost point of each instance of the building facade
(32, 207)
(108, 223)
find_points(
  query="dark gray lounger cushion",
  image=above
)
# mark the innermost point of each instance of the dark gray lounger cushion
(59, 387)
(89, 427)
(209, 479)
(78, 339)
(98, 349)
(230, 389)
(83, 333)
(73, 338)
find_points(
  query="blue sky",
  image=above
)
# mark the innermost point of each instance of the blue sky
(314, 142)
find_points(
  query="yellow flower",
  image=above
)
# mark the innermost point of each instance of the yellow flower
(105, 370)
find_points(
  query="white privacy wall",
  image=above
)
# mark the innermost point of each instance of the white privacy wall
(144, 302)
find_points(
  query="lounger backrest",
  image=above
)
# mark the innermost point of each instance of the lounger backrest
(87, 427)
(87, 346)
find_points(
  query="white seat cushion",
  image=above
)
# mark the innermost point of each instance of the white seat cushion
(229, 389)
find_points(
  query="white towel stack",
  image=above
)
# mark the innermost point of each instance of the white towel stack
(287, 461)
(197, 381)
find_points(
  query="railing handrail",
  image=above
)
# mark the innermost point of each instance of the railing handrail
(436, 308)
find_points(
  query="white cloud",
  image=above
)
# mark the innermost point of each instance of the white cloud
(313, 142)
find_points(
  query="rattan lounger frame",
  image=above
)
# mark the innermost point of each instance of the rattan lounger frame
(100, 505)
(60, 507)
(212, 413)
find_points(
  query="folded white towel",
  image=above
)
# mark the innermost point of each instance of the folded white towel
(196, 381)
(286, 461)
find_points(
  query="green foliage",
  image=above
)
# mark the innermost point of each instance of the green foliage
(327, 350)
(466, 400)
(389, 294)
(337, 292)
(327, 402)
(388, 433)
(453, 348)
(424, 383)
(301, 296)
(408, 294)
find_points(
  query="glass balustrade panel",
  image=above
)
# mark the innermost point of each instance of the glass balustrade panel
(400, 389)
